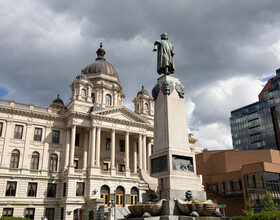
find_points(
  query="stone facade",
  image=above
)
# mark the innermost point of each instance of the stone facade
(51, 158)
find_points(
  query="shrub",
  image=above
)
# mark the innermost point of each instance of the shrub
(239, 218)
(266, 215)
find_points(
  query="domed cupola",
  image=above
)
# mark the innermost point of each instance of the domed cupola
(143, 92)
(100, 65)
(143, 103)
(57, 103)
(97, 85)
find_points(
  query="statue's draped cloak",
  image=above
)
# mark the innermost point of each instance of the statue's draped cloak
(165, 53)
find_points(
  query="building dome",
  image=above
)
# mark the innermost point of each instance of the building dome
(100, 65)
(58, 101)
(143, 92)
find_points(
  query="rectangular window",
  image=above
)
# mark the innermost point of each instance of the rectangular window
(11, 188)
(49, 213)
(122, 146)
(51, 192)
(8, 212)
(62, 213)
(32, 189)
(80, 188)
(29, 213)
(108, 143)
(121, 167)
(18, 132)
(105, 166)
(38, 134)
(1, 128)
(76, 164)
(55, 137)
(77, 140)
(64, 189)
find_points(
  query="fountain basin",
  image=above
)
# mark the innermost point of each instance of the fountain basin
(153, 208)
(202, 208)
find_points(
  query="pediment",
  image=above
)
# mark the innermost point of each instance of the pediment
(121, 113)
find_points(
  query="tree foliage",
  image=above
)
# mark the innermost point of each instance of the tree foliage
(269, 210)
(268, 204)
(88, 206)
(250, 209)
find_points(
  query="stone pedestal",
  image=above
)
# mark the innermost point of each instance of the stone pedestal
(172, 161)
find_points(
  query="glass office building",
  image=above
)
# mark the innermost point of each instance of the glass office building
(256, 126)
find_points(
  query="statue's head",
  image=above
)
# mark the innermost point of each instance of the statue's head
(180, 89)
(164, 36)
(189, 195)
(167, 87)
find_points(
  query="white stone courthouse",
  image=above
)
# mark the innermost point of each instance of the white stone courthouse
(52, 158)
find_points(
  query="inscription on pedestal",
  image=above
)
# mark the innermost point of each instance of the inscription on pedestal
(159, 164)
(182, 163)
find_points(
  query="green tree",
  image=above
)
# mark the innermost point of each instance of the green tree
(88, 206)
(268, 203)
(250, 209)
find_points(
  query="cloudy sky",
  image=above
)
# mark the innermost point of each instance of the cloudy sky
(225, 50)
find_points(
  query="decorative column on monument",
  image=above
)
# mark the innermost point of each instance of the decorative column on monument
(172, 161)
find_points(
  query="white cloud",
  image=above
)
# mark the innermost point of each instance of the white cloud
(213, 105)
(214, 136)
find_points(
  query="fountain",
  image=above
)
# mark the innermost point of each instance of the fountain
(173, 169)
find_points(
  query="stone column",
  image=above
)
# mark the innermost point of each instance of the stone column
(135, 156)
(92, 146)
(127, 170)
(113, 152)
(25, 161)
(115, 98)
(72, 148)
(149, 154)
(98, 140)
(5, 150)
(66, 159)
(144, 153)
(140, 155)
(85, 150)
(103, 97)
(46, 156)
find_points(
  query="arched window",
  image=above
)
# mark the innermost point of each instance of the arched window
(105, 194)
(134, 195)
(83, 92)
(35, 161)
(108, 99)
(53, 162)
(119, 196)
(14, 159)
(146, 106)
(93, 97)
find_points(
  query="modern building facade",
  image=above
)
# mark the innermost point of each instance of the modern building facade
(256, 126)
(231, 177)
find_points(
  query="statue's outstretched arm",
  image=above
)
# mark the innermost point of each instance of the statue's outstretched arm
(156, 45)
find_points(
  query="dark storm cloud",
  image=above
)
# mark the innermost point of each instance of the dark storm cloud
(44, 45)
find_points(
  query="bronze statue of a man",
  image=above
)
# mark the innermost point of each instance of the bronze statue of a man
(165, 64)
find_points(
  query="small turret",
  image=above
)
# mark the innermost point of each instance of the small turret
(143, 103)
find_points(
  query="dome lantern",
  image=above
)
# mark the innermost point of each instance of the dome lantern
(100, 52)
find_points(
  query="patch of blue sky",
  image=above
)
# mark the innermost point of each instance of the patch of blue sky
(194, 129)
(3, 92)
(265, 79)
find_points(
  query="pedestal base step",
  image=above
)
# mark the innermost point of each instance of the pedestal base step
(180, 217)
